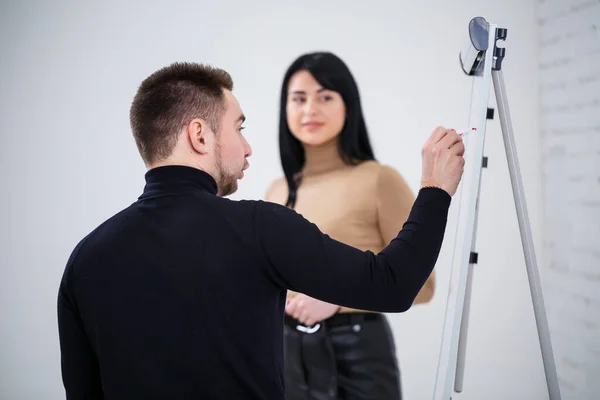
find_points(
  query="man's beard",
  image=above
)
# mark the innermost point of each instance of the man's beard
(227, 183)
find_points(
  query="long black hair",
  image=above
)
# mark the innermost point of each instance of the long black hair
(353, 141)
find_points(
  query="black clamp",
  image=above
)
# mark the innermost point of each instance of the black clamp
(473, 257)
(499, 52)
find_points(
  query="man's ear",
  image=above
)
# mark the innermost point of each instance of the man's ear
(200, 135)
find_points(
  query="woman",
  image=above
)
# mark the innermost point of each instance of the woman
(334, 181)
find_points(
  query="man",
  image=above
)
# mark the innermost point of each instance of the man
(181, 295)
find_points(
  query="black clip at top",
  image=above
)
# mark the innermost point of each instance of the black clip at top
(499, 52)
(501, 33)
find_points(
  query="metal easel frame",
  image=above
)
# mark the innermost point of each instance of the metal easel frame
(482, 60)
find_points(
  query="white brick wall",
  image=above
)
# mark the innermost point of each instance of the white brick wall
(569, 67)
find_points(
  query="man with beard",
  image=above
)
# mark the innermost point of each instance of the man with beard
(181, 295)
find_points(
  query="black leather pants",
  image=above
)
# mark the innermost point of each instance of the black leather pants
(349, 356)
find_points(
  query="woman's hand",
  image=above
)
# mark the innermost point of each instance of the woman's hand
(309, 311)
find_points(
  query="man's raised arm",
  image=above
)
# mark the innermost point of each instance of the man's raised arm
(303, 259)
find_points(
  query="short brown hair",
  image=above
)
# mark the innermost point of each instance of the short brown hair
(169, 99)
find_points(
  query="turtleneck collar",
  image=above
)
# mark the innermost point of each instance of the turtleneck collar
(173, 179)
(322, 159)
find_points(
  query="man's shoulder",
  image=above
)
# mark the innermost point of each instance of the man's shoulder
(84, 250)
(262, 212)
(100, 235)
(259, 206)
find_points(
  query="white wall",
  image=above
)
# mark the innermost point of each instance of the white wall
(569, 71)
(68, 161)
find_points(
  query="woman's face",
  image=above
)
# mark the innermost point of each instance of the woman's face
(315, 115)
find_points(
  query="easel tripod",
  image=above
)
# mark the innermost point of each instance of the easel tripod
(483, 61)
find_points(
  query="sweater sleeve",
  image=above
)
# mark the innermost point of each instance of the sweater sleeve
(303, 259)
(79, 364)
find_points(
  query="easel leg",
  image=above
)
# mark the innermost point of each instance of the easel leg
(464, 323)
(462, 338)
(526, 236)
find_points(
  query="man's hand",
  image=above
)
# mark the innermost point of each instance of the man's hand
(309, 311)
(443, 162)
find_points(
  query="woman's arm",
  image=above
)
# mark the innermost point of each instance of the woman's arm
(394, 202)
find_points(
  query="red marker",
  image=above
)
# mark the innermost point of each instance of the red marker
(464, 132)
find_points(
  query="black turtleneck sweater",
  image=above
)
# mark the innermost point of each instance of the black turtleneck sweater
(181, 295)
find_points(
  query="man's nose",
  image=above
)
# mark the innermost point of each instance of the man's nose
(247, 148)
